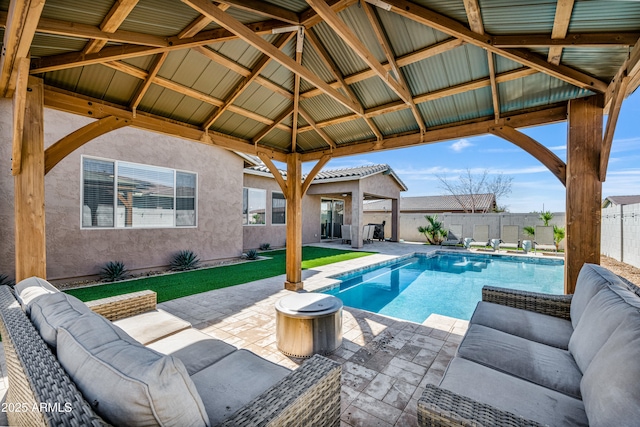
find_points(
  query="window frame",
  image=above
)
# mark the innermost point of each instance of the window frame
(247, 223)
(116, 164)
(285, 208)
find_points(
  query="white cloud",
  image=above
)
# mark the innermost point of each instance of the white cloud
(558, 148)
(460, 145)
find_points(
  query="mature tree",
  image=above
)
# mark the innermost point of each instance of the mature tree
(469, 189)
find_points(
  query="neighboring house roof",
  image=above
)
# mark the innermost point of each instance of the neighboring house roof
(620, 200)
(336, 175)
(483, 203)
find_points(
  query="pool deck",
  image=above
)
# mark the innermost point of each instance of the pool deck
(386, 362)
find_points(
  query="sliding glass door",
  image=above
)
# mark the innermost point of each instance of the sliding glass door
(331, 218)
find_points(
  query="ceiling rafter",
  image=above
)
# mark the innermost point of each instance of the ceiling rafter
(114, 53)
(319, 131)
(198, 24)
(310, 17)
(597, 40)
(264, 132)
(333, 67)
(265, 9)
(280, 42)
(296, 91)
(146, 84)
(452, 27)
(384, 42)
(116, 16)
(22, 21)
(228, 22)
(564, 9)
(474, 16)
(337, 25)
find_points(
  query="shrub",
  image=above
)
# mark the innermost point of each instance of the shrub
(251, 254)
(4, 280)
(265, 246)
(185, 260)
(114, 271)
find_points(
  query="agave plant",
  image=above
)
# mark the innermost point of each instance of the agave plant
(114, 271)
(185, 260)
(434, 232)
(251, 254)
(265, 246)
(4, 280)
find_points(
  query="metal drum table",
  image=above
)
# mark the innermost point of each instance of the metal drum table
(308, 323)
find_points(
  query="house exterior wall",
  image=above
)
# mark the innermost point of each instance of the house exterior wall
(620, 231)
(76, 252)
(275, 234)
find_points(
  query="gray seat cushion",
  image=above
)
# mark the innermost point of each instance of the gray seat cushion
(602, 315)
(533, 326)
(126, 383)
(611, 384)
(539, 363)
(29, 289)
(50, 311)
(194, 348)
(152, 326)
(591, 280)
(513, 394)
(234, 381)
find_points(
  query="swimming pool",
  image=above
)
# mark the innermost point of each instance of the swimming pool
(448, 284)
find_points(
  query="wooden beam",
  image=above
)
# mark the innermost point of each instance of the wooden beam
(333, 67)
(584, 189)
(116, 16)
(265, 9)
(474, 16)
(67, 145)
(198, 24)
(144, 87)
(257, 138)
(452, 27)
(266, 159)
(228, 22)
(30, 235)
(97, 109)
(19, 106)
(296, 105)
(384, 42)
(22, 21)
(612, 120)
(310, 17)
(596, 40)
(633, 69)
(294, 223)
(564, 9)
(557, 167)
(495, 95)
(311, 175)
(332, 20)
(280, 42)
(319, 131)
(115, 53)
(444, 133)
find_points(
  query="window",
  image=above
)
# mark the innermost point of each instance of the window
(278, 208)
(129, 195)
(254, 206)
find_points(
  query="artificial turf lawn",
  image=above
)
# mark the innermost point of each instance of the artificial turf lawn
(172, 286)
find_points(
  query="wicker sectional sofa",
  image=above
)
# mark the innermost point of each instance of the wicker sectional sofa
(69, 365)
(533, 359)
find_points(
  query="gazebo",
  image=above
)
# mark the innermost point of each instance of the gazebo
(309, 80)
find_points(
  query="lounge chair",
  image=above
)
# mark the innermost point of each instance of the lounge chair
(480, 236)
(454, 236)
(367, 233)
(346, 233)
(544, 240)
(509, 238)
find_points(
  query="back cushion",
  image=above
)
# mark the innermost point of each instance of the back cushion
(591, 280)
(126, 383)
(51, 311)
(29, 289)
(606, 310)
(610, 387)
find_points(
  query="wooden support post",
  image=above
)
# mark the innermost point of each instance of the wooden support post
(294, 223)
(357, 220)
(584, 189)
(30, 242)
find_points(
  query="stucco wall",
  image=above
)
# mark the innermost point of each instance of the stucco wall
(275, 235)
(72, 251)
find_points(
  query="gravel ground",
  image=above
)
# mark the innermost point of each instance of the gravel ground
(627, 271)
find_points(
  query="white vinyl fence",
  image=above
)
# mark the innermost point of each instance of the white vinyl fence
(621, 233)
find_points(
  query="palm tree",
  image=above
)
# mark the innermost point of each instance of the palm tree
(529, 231)
(558, 235)
(546, 217)
(434, 232)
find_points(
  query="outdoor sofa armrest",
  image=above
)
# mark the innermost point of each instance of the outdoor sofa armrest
(126, 305)
(40, 392)
(440, 407)
(552, 305)
(308, 396)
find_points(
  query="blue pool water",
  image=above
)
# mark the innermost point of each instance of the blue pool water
(446, 284)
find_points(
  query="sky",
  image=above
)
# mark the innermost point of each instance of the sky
(534, 187)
